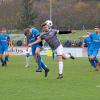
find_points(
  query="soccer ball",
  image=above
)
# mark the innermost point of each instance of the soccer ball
(49, 23)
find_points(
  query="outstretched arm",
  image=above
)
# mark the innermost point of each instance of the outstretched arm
(64, 32)
(37, 41)
(85, 36)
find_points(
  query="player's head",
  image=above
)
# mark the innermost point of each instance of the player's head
(4, 30)
(46, 26)
(27, 31)
(97, 29)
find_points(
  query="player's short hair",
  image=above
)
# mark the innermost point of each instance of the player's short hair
(26, 31)
(43, 24)
(48, 23)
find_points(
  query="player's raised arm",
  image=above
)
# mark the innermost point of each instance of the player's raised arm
(64, 32)
(37, 41)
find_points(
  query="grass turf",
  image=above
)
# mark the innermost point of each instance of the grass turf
(20, 83)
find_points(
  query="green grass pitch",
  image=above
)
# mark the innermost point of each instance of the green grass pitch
(20, 83)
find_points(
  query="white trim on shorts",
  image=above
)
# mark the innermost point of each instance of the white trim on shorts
(60, 50)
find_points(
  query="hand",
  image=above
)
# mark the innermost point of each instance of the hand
(29, 45)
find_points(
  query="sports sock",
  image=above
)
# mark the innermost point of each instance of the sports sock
(53, 55)
(6, 59)
(27, 58)
(96, 60)
(41, 63)
(92, 62)
(60, 67)
(2, 61)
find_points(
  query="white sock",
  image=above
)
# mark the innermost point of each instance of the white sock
(60, 67)
(27, 60)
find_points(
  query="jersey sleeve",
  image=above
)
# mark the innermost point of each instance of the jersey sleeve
(84, 40)
(35, 32)
(64, 32)
(90, 35)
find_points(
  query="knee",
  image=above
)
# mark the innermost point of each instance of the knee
(0, 57)
(91, 57)
(36, 54)
(6, 54)
(59, 58)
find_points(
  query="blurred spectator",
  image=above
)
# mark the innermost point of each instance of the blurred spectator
(67, 43)
(19, 43)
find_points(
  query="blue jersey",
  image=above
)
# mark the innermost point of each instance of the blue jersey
(95, 39)
(4, 40)
(33, 37)
(87, 41)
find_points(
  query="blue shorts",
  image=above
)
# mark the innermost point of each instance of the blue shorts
(3, 49)
(34, 48)
(93, 52)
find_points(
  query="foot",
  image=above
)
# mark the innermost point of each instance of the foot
(60, 76)
(5, 63)
(96, 69)
(71, 56)
(46, 72)
(39, 70)
(26, 66)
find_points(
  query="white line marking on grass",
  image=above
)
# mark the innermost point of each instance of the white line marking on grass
(98, 86)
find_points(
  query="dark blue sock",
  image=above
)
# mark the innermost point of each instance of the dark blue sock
(96, 60)
(2, 61)
(53, 55)
(6, 58)
(43, 64)
(40, 63)
(27, 54)
(92, 62)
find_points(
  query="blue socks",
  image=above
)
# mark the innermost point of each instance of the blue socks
(94, 62)
(40, 63)
(6, 59)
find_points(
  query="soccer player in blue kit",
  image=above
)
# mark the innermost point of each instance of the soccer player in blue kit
(95, 39)
(88, 43)
(32, 34)
(4, 45)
